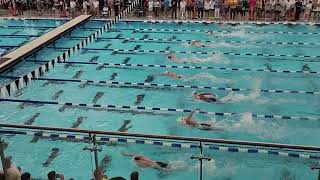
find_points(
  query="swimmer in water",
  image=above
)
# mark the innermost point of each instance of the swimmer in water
(171, 74)
(145, 162)
(196, 43)
(172, 57)
(210, 33)
(305, 67)
(199, 125)
(207, 97)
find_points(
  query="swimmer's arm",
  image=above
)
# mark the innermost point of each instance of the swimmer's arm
(189, 118)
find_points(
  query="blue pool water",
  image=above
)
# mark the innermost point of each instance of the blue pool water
(242, 126)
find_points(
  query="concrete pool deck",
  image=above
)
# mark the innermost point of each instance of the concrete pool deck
(25, 50)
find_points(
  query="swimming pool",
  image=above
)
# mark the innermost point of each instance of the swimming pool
(264, 95)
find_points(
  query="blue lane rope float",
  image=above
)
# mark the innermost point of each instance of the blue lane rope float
(204, 52)
(183, 67)
(171, 85)
(178, 40)
(15, 86)
(219, 31)
(160, 143)
(193, 52)
(168, 40)
(142, 108)
(224, 22)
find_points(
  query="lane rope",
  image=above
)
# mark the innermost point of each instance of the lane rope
(181, 67)
(203, 52)
(160, 143)
(168, 40)
(142, 108)
(223, 22)
(172, 85)
(214, 31)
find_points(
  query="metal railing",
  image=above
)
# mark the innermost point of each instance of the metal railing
(201, 142)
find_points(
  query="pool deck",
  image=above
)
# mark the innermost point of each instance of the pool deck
(25, 50)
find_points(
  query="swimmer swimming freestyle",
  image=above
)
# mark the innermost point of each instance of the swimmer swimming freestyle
(171, 74)
(206, 97)
(145, 162)
(188, 121)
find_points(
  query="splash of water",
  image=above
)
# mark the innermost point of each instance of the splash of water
(178, 165)
(207, 76)
(241, 34)
(224, 45)
(234, 97)
(261, 128)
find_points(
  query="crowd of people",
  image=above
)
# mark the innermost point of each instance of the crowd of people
(13, 172)
(177, 9)
(66, 8)
(233, 9)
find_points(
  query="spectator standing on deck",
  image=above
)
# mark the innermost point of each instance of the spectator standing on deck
(156, 5)
(211, 8)
(298, 5)
(207, 8)
(174, 5)
(183, 5)
(258, 9)
(73, 8)
(200, 6)
(268, 9)
(95, 8)
(85, 6)
(116, 7)
(308, 10)
(217, 8)
(252, 4)
(277, 11)
(225, 8)
(166, 7)
(189, 8)
(233, 9)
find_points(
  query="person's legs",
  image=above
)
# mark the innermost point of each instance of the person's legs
(201, 12)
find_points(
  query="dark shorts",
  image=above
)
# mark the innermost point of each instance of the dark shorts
(162, 164)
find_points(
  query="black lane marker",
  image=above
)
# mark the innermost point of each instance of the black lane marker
(97, 97)
(150, 78)
(108, 45)
(100, 67)
(24, 104)
(137, 47)
(119, 36)
(52, 82)
(94, 59)
(54, 153)
(32, 119)
(113, 76)
(78, 122)
(126, 60)
(124, 127)
(139, 99)
(305, 67)
(78, 74)
(57, 95)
